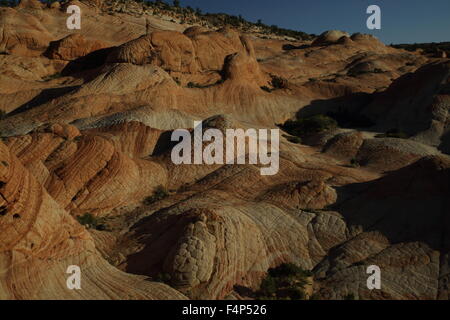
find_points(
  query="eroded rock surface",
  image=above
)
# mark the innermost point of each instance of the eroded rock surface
(86, 124)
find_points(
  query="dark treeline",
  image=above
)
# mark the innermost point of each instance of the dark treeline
(8, 3)
(13, 3)
(215, 19)
(429, 48)
(221, 19)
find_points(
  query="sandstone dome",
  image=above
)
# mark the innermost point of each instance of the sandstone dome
(87, 176)
(196, 30)
(329, 37)
(31, 4)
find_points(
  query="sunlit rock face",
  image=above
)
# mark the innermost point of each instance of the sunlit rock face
(86, 125)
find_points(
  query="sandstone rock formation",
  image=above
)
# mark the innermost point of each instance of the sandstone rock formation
(72, 47)
(329, 37)
(420, 248)
(86, 122)
(40, 240)
(345, 145)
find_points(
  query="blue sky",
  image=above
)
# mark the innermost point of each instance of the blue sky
(403, 21)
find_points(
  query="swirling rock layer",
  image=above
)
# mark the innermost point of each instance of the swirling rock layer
(86, 126)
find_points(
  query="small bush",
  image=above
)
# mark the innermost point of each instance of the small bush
(266, 88)
(354, 163)
(159, 193)
(52, 76)
(163, 277)
(90, 221)
(2, 114)
(296, 140)
(348, 119)
(315, 124)
(377, 70)
(268, 286)
(289, 270)
(350, 296)
(86, 219)
(428, 48)
(193, 85)
(315, 211)
(286, 281)
(278, 82)
(292, 293)
(315, 296)
(7, 3)
(353, 73)
(394, 133)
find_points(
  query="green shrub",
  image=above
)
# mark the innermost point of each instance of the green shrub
(353, 73)
(296, 140)
(193, 85)
(378, 70)
(268, 286)
(394, 133)
(292, 293)
(266, 88)
(350, 119)
(52, 76)
(2, 114)
(163, 277)
(7, 3)
(350, 296)
(90, 221)
(315, 296)
(310, 125)
(426, 47)
(288, 270)
(87, 219)
(354, 163)
(315, 211)
(286, 281)
(278, 82)
(159, 193)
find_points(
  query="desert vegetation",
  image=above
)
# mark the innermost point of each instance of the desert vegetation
(92, 222)
(303, 126)
(346, 118)
(393, 133)
(285, 282)
(428, 48)
(159, 193)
